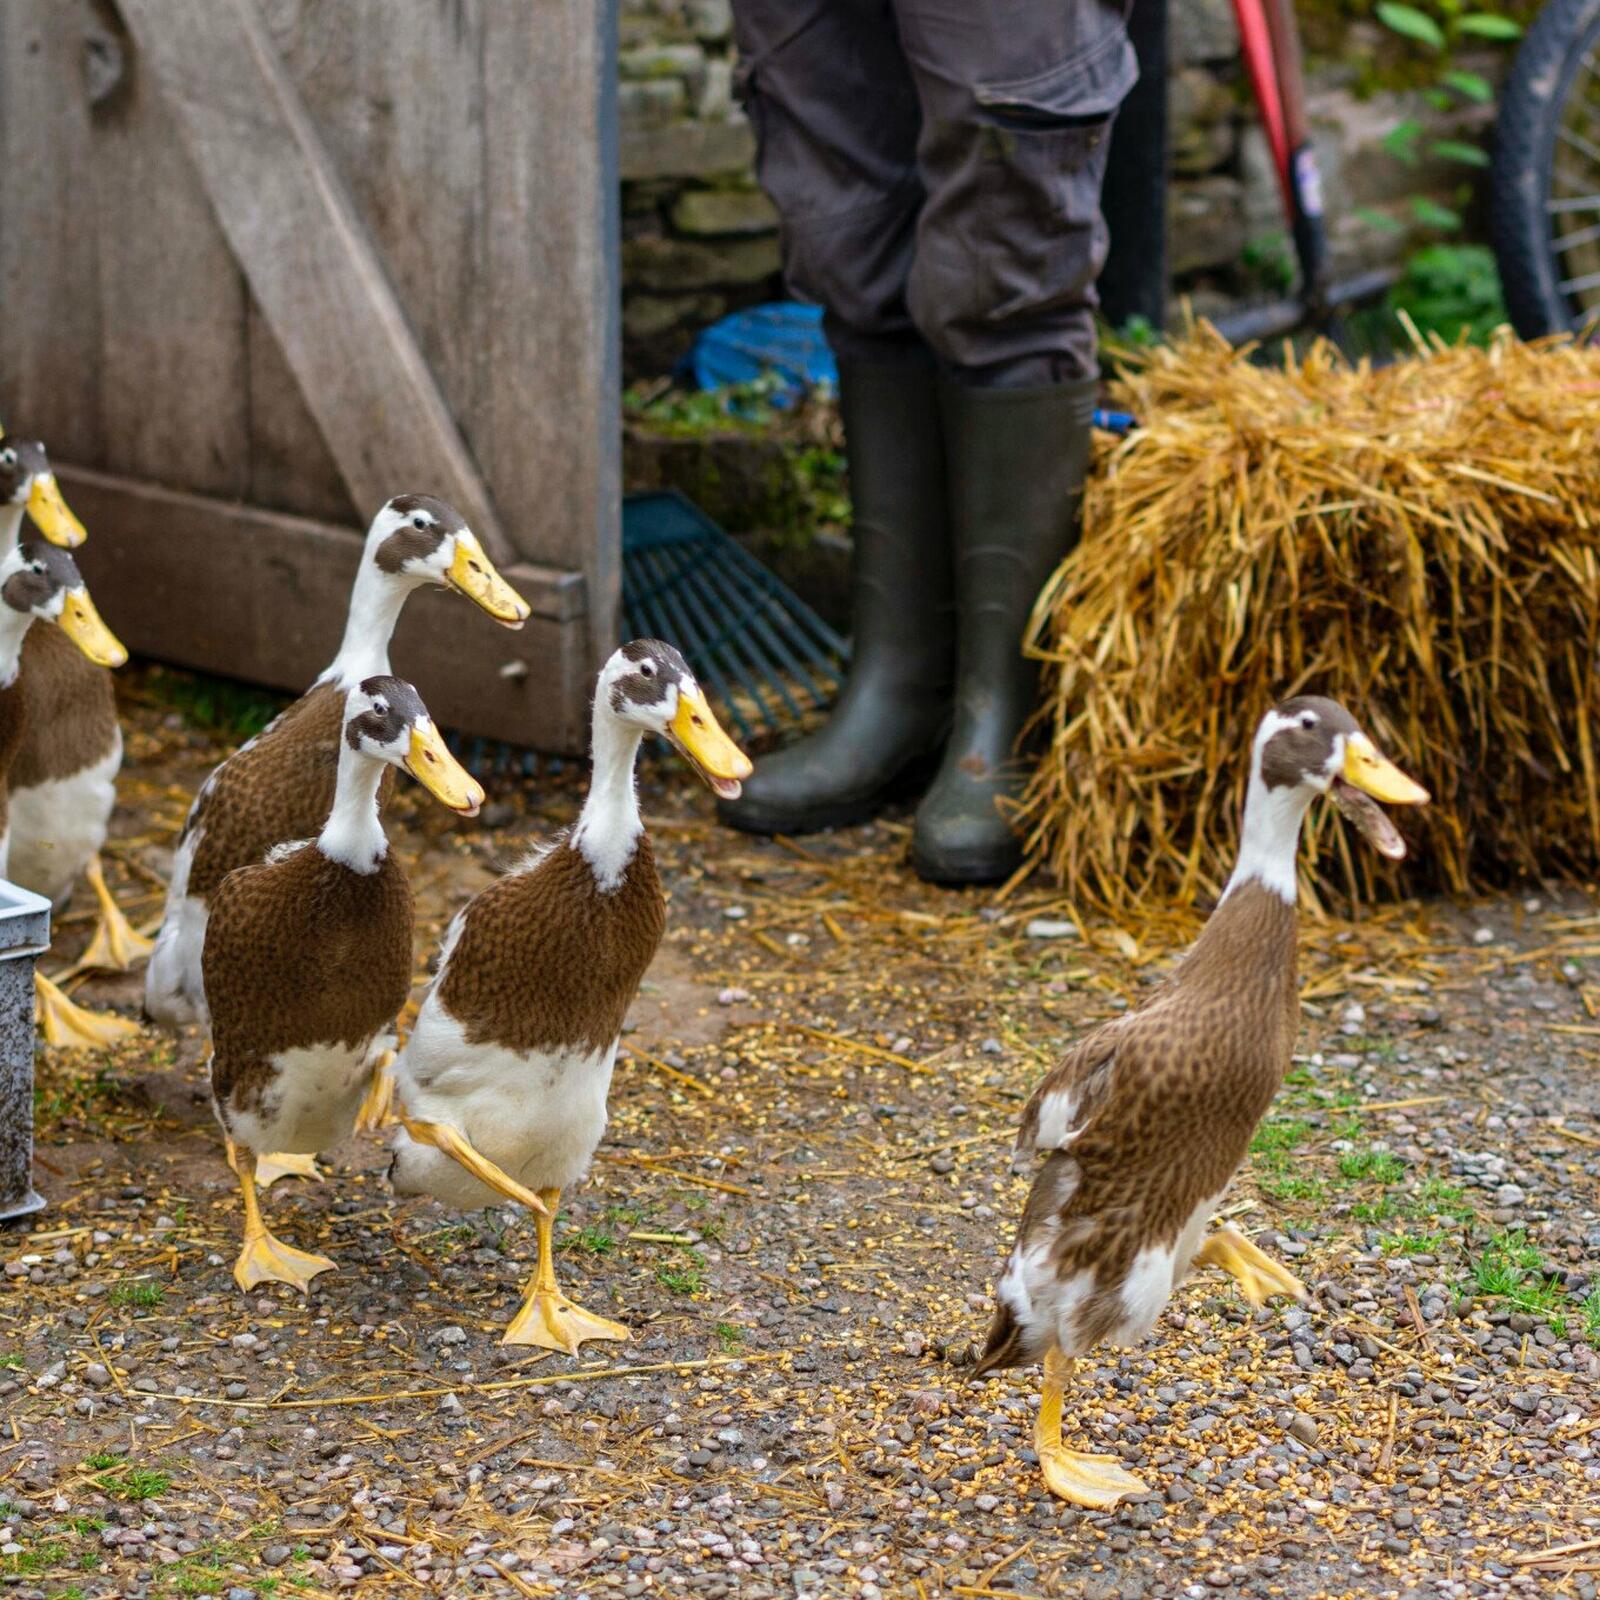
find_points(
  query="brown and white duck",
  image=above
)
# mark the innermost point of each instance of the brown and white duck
(63, 780)
(41, 583)
(1145, 1121)
(307, 962)
(280, 784)
(515, 1041)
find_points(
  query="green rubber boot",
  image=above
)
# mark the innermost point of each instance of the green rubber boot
(1017, 463)
(881, 742)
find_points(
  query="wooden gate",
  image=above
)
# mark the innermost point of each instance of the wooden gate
(265, 263)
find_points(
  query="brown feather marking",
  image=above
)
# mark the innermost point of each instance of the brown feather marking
(278, 788)
(13, 727)
(298, 952)
(71, 710)
(545, 960)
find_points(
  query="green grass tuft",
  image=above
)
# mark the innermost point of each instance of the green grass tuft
(685, 1275)
(1293, 1186)
(1378, 1165)
(143, 1294)
(593, 1240)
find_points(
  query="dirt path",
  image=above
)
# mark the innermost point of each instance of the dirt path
(798, 1210)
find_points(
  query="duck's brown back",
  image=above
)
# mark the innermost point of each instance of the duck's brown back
(71, 710)
(276, 788)
(545, 960)
(13, 728)
(300, 952)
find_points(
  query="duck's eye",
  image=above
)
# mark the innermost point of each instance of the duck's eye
(8, 458)
(647, 669)
(1308, 719)
(419, 521)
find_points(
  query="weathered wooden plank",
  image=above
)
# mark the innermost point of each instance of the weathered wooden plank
(49, 284)
(551, 152)
(396, 94)
(311, 266)
(290, 467)
(173, 368)
(260, 595)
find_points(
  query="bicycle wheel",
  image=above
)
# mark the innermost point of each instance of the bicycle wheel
(1544, 188)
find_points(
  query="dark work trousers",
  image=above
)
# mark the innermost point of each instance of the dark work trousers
(936, 165)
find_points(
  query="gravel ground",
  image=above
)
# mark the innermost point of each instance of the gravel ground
(798, 1210)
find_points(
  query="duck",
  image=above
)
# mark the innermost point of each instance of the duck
(1144, 1122)
(307, 962)
(63, 780)
(40, 582)
(279, 785)
(515, 1040)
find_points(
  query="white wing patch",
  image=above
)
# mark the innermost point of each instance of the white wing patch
(281, 852)
(1145, 1291)
(1058, 1124)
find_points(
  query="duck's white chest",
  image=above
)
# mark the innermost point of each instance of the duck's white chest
(536, 1114)
(58, 824)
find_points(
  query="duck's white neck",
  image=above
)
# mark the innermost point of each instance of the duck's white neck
(10, 528)
(375, 603)
(608, 828)
(14, 627)
(353, 834)
(1269, 840)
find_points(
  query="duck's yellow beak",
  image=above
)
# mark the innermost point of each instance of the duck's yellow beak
(432, 765)
(473, 573)
(51, 514)
(697, 734)
(82, 625)
(1372, 774)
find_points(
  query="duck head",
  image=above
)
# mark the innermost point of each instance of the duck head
(648, 685)
(1309, 746)
(40, 582)
(385, 719)
(416, 539)
(27, 482)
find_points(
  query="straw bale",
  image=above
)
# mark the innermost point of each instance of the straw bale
(1418, 541)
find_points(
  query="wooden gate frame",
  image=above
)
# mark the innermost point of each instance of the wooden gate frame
(272, 587)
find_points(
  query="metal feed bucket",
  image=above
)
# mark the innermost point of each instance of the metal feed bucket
(24, 935)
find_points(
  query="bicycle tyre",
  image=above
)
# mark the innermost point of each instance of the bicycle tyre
(1560, 52)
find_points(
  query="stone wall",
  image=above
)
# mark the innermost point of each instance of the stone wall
(699, 238)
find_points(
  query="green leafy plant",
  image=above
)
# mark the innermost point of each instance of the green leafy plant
(1269, 260)
(688, 411)
(1434, 32)
(1452, 290)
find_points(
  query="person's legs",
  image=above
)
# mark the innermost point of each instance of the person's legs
(1017, 99)
(837, 120)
